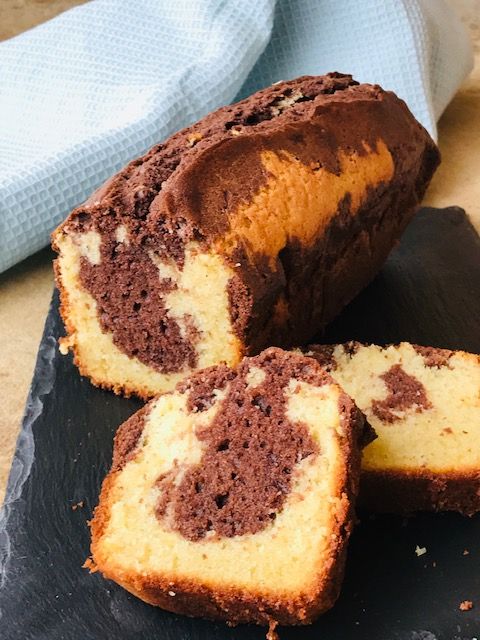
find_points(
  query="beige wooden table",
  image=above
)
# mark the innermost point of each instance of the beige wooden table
(25, 290)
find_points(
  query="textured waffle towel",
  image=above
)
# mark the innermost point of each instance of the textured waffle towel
(88, 91)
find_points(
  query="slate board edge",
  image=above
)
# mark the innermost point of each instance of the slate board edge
(42, 384)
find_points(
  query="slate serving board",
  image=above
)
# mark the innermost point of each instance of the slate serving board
(429, 293)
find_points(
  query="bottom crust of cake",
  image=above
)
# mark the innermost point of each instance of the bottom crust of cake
(405, 492)
(232, 605)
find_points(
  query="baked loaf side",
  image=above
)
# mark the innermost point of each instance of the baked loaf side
(251, 228)
(424, 404)
(232, 497)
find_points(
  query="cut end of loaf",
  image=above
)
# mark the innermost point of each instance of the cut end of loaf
(228, 485)
(144, 329)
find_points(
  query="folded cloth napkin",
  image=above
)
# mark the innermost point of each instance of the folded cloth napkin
(98, 85)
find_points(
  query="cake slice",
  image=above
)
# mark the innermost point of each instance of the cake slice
(424, 404)
(251, 228)
(232, 497)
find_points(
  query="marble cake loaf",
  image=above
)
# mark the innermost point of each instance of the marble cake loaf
(232, 497)
(251, 228)
(424, 405)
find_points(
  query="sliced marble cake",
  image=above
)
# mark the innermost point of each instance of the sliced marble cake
(232, 497)
(424, 404)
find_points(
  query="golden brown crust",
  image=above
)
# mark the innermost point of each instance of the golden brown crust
(409, 491)
(235, 605)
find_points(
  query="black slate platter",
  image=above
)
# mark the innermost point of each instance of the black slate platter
(429, 293)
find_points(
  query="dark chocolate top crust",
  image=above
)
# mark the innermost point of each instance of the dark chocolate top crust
(131, 192)
(165, 180)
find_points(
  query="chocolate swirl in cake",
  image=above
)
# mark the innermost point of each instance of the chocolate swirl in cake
(251, 450)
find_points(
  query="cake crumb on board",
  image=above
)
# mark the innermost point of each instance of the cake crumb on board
(272, 633)
(90, 565)
(466, 605)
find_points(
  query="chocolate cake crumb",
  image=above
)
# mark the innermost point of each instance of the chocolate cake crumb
(352, 347)
(134, 311)
(404, 392)
(434, 357)
(323, 354)
(251, 450)
(203, 384)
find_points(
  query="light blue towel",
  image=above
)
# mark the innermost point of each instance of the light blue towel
(88, 91)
